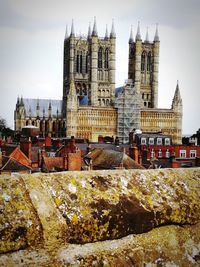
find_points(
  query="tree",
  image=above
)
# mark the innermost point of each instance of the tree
(2, 124)
(4, 130)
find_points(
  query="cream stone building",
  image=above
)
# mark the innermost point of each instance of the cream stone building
(91, 105)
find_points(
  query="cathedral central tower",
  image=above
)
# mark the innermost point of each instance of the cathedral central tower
(90, 63)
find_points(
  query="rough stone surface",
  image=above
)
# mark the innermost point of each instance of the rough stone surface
(170, 246)
(45, 212)
(20, 226)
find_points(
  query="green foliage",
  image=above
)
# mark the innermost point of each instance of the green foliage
(4, 130)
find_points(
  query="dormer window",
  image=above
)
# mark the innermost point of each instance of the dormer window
(143, 141)
(167, 141)
(159, 141)
(151, 141)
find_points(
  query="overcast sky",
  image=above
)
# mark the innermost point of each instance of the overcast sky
(31, 47)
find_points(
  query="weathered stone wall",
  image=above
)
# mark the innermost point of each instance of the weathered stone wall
(43, 213)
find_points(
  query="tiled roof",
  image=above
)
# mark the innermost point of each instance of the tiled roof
(31, 104)
(10, 164)
(110, 159)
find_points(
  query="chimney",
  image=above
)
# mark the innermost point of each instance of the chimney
(72, 145)
(136, 155)
(26, 147)
(48, 141)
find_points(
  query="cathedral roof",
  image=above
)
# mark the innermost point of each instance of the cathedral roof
(31, 107)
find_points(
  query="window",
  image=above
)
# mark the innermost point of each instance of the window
(167, 154)
(149, 62)
(182, 153)
(106, 59)
(86, 63)
(143, 141)
(159, 141)
(100, 58)
(193, 153)
(152, 153)
(160, 153)
(151, 141)
(79, 62)
(143, 61)
(167, 141)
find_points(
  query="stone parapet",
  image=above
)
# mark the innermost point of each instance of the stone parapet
(138, 217)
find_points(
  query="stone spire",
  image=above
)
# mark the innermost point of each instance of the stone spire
(106, 33)
(38, 108)
(50, 104)
(131, 40)
(94, 31)
(177, 100)
(156, 37)
(177, 94)
(18, 100)
(72, 29)
(66, 33)
(50, 108)
(138, 35)
(21, 101)
(38, 104)
(43, 111)
(112, 33)
(147, 36)
(89, 31)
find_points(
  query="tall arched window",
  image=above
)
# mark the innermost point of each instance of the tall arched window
(143, 61)
(86, 63)
(106, 59)
(149, 62)
(79, 62)
(100, 58)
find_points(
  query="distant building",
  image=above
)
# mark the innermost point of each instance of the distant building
(192, 140)
(158, 150)
(91, 105)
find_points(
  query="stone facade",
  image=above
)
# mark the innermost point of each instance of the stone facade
(91, 106)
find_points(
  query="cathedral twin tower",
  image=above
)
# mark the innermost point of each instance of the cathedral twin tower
(91, 105)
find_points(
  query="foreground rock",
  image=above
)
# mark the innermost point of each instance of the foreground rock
(45, 211)
(170, 246)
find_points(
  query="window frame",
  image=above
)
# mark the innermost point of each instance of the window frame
(195, 154)
(181, 153)
(167, 141)
(159, 141)
(151, 141)
(143, 139)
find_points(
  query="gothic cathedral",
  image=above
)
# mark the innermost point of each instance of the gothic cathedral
(91, 105)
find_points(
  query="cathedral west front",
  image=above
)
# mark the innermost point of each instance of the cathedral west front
(91, 105)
